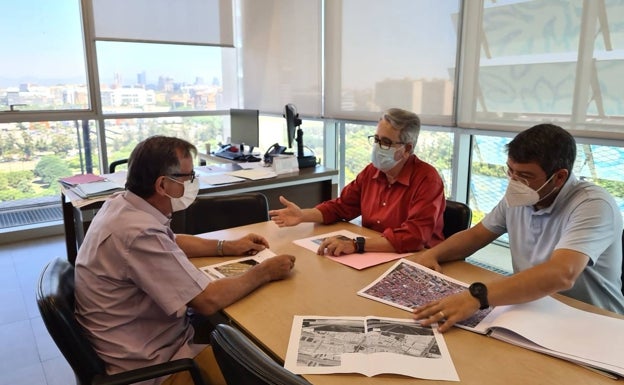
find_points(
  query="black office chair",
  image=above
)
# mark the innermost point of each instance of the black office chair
(55, 298)
(457, 217)
(217, 212)
(113, 165)
(242, 362)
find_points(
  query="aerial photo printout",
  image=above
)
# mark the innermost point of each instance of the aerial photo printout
(367, 345)
(407, 285)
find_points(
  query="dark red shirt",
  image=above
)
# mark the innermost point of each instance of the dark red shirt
(409, 212)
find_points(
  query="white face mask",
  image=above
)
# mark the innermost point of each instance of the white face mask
(519, 194)
(190, 193)
(384, 159)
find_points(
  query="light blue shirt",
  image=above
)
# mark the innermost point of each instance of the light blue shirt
(583, 218)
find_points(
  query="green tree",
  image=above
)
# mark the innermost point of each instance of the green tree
(61, 144)
(27, 146)
(50, 169)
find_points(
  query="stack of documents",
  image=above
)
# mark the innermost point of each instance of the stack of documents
(217, 175)
(89, 186)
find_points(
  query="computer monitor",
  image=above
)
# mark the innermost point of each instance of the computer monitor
(293, 124)
(293, 127)
(244, 128)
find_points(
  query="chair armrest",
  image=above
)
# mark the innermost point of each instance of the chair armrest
(149, 372)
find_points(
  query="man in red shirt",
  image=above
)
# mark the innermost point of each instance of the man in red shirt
(397, 194)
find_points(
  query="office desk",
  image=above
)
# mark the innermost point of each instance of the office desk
(320, 286)
(307, 187)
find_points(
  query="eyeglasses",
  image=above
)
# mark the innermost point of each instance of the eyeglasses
(383, 143)
(512, 175)
(179, 175)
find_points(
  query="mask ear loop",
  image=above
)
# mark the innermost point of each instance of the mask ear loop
(551, 191)
(176, 181)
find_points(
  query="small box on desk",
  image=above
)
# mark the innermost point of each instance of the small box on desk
(284, 163)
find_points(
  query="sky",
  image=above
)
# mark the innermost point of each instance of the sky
(43, 42)
(44, 37)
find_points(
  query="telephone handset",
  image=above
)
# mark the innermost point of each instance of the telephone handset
(275, 149)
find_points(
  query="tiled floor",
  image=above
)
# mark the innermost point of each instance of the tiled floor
(28, 356)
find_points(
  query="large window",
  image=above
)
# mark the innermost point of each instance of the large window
(156, 78)
(85, 80)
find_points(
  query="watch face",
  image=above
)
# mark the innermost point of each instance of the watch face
(479, 291)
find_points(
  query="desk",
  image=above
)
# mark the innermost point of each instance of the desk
(307, 187)
(320, 286)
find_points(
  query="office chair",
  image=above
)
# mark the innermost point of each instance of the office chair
(55, 298)
(242, 362)
(113, 165)
(457, 217)
(217, 212)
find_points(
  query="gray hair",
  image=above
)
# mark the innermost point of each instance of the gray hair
(405, 121)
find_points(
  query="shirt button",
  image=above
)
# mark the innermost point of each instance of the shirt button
(378, 222)
(383, 203)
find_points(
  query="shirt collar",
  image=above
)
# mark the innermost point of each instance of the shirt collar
(143, 205)
(405, 173)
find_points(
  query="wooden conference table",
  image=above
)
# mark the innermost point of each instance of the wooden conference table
(320, 286)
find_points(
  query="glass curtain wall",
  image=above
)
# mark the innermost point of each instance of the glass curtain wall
(476, 72)
(87, 80)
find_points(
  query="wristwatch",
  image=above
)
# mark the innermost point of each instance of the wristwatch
(359, 244)
(479, 291)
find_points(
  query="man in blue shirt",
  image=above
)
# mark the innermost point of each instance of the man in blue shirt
(564, 235)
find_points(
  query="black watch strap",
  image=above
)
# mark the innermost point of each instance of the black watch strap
(359, 244)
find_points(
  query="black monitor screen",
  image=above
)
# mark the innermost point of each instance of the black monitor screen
(244, 127)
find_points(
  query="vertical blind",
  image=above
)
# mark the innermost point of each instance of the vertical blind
(280, 52)
(393, 53)
(376, 55)
(545, 61)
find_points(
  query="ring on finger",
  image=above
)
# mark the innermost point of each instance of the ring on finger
(442, 314)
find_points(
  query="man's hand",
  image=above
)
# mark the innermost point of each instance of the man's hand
(336, 246)
(291, 215)
(427, 259)
(278, 267)
(250, 244)
(447, 311)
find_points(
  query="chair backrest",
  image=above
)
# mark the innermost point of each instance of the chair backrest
(113, 165)
(55, 298)
(457, 217)
(217, 212)
(242, 362)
